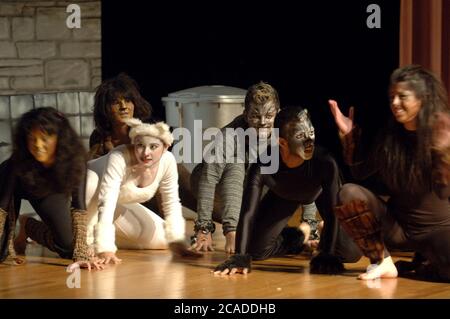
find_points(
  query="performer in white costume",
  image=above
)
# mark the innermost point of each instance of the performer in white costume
(129, 175)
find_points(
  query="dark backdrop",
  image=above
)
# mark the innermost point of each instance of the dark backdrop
(309, 51)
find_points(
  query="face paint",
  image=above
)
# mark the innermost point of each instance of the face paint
(301, 136)
(405, 105)
(148, 150)
(122, 109)
(42, 146)
(262, 117)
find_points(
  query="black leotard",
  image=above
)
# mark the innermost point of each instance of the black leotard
(262, 221)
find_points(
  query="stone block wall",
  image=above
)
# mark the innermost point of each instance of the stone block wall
(39, 53)
(43, 62)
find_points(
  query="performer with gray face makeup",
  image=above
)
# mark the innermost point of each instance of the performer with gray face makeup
(307, 173)
(219, 185)
(301, 136)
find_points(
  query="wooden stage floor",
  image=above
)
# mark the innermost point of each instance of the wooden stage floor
(157, 275)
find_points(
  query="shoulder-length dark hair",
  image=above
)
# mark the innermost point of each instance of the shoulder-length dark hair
(69, 168)
(405, 158)
(112, 90)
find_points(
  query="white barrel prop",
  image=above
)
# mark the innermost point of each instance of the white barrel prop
(214, 105)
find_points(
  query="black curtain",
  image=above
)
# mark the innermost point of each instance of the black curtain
(309, 51)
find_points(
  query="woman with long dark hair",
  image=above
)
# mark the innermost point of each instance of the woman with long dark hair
(412, 159)
(117, 100)
(48, 168)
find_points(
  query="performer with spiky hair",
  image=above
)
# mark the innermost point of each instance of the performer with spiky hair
(219, 185)
(307, 173)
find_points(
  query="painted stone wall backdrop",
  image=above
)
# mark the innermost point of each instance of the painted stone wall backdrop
(40, 53)
(43, 62)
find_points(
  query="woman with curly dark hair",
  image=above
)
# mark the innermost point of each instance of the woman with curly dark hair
(116, 100)
(47, 168)
(412, 159)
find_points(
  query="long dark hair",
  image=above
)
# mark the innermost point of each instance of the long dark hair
(69, 167)
(405, 163)
(112, 90)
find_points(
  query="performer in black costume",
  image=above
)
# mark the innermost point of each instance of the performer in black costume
(306, 174)
(412, 158)
(48, 168)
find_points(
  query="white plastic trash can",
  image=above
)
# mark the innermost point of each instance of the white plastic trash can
(214, 105)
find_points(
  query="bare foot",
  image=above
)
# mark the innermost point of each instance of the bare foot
(386, 269)
(230, 239)
(20, 242)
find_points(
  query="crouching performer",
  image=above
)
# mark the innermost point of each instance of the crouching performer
(306, 174)
(127, 176)
(47, 168)
(412, 158)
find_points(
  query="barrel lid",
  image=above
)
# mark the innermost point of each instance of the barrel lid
(207, 92)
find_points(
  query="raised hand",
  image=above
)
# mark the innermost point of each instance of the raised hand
(344, 124)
